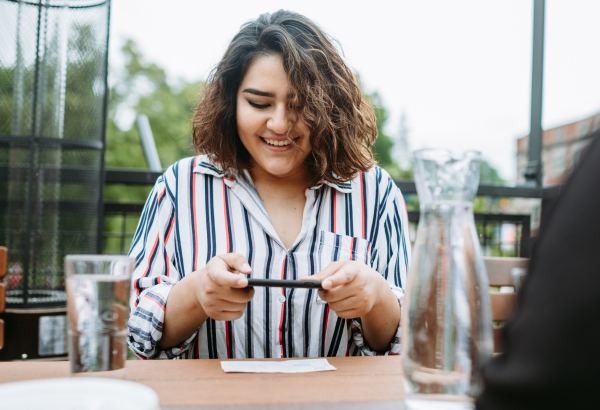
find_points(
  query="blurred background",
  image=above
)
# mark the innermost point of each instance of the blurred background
(445, 73)
(454, 74)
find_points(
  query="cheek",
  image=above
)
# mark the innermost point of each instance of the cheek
(247, 122)
(241, 122)
(306, 132)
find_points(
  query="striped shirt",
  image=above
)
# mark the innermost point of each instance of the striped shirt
(194, 213)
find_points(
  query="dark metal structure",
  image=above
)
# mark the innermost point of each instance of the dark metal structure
(125, 216)
(53, 101)
(534, 168)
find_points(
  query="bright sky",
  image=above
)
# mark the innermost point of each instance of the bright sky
(460, 70)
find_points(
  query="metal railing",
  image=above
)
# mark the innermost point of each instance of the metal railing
(122, 218)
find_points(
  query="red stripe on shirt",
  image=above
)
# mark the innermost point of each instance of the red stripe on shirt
(227, 339)
(160, 196)
(282, 308)
(325, 330)
(148, 267)
(139, 355)
(348, 344)
(362, 201)
(154, 300)
(166, 241)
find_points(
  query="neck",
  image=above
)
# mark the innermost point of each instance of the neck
(286, 187)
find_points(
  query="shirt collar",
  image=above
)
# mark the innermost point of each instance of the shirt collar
(344, 187)
(205, 165)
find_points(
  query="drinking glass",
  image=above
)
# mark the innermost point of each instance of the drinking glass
(97, 306)
(446, 317)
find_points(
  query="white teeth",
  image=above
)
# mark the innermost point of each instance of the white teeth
(277, 143)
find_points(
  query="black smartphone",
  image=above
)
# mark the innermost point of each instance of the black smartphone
(276, 283)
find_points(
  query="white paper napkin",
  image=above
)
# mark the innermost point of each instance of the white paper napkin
(287, 366)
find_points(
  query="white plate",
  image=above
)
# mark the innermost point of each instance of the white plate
(86, 393)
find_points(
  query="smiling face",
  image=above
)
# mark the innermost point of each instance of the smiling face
(265, 120)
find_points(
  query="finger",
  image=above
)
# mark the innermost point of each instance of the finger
(330, 270)
(238, 295)
(236, 262)
(342, 276)
(341, 305)
(337, 294)
(228, 279)
(347, 314)
(228, 306)
(228, 316)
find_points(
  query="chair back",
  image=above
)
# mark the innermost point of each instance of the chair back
(500, 273)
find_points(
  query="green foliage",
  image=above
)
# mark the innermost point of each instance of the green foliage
(168, 108)
(6, 99)
(143, 87)
(382, 149)
(384, 145)
(488, 175)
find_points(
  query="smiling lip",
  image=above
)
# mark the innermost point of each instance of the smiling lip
(278, 144)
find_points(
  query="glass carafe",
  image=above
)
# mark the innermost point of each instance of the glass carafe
(446, 318)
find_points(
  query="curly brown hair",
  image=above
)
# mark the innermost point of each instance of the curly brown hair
(342, 122)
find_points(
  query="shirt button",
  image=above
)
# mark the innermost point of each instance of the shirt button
(320, 301)
(281, 298)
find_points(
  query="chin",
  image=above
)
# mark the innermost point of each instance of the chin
(280, 168)
(280, 171)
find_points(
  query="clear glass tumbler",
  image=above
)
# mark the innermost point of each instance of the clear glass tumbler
(97, 306)
(446, 318)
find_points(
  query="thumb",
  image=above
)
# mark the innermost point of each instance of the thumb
(236, 262)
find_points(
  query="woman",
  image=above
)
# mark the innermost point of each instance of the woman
(285, 188)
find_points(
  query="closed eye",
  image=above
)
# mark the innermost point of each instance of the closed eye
(259, 106)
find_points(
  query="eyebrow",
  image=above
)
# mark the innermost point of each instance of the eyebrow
(258, 92)
(263, 93)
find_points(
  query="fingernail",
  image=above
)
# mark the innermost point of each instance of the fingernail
(326, 283)
(245, 266)
(241, 282)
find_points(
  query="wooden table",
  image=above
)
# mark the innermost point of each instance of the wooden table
(358, 383)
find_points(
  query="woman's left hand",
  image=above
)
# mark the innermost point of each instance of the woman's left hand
(351, 288)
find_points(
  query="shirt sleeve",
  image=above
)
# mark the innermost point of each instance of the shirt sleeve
(155, 274)
(390, 256)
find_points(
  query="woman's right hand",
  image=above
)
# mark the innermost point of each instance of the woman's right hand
(221, 291)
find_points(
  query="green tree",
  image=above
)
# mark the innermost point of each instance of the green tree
(488, 175)
(168, 107)
(382, 149)
(143, 88)
(384, 145)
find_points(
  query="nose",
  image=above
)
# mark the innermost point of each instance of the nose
(281, 120)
